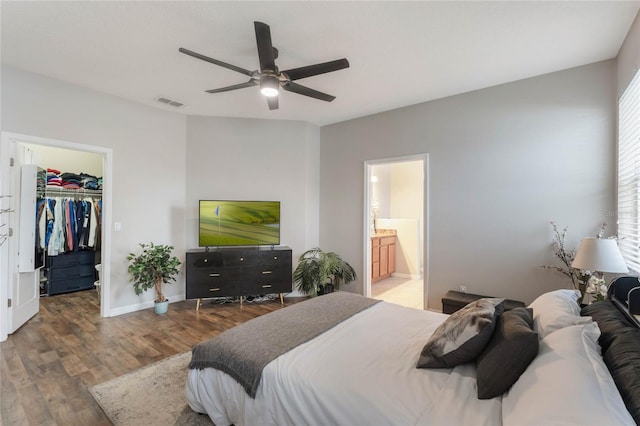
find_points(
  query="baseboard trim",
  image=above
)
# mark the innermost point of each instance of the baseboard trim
(406, 276)
(144, 305)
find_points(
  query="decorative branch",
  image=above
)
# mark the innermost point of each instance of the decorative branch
(578, 277)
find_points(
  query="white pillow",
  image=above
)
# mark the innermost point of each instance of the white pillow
(567, 383)
(555, 310)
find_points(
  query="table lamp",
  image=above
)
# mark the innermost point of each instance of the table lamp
(599, 255)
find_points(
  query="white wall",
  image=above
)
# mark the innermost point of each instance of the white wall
(148, 161)
(407, 180)
(246, 159)
(504, 161)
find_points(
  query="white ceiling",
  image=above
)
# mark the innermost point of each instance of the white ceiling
(401, 53)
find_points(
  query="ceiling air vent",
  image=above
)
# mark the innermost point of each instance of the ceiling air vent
(170, 102)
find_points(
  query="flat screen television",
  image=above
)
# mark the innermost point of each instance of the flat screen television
(238, 223)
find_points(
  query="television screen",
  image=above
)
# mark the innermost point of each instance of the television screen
(239, 223)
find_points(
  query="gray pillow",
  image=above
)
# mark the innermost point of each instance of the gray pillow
(511, 349)
(462, 336)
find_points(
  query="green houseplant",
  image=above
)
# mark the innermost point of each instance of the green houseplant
(320, 272)
(151, 268)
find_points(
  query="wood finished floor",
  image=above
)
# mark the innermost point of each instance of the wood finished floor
(48, 365)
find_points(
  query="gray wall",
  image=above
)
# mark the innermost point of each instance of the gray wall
(148, 146)
(504, 161)
(628, 59)
(245, 159)
(164, 162)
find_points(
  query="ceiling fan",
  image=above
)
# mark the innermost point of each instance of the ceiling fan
(269, 77)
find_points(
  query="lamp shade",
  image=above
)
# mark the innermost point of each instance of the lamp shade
(599, 255)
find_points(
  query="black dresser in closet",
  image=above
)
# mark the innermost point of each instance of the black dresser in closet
(70, 272)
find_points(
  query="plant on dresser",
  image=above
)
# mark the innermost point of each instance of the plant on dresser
(151, 268)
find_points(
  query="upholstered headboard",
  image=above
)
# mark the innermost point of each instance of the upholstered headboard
(620, 343)
(625, 291)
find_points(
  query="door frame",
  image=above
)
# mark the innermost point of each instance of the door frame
(6, 141)
(368, 222)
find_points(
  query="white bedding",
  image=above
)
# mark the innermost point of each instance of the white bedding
(361, 372)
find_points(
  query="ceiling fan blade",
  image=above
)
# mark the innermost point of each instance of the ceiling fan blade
(265, 47)
(215, 61)
(273, 102)
(249, 83)
(311, 70)
(303, 90)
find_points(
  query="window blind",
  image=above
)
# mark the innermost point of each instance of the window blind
(629, 174)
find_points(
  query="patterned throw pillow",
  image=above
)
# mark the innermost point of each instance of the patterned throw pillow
(462, 336)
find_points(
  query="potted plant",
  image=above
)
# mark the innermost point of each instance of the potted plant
(320, 272)
(151, 268)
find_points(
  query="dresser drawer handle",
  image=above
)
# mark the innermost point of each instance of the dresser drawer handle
(214, 289)
(266, 272)
(266, 286)
(214, 275)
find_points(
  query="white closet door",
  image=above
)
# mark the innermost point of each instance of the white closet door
(24, 293)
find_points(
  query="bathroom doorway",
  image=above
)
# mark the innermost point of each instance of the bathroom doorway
(396, 230)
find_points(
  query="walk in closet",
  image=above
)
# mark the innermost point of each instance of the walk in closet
(68, 220)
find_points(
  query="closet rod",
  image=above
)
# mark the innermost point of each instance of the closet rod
(63, 191)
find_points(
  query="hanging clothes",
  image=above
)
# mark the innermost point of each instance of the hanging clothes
(66, 224)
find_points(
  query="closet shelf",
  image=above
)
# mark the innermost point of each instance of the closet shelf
(65, 191)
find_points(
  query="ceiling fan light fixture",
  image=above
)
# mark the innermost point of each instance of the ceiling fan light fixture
(269, 85)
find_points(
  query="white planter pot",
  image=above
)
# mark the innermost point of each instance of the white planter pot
(161, 307)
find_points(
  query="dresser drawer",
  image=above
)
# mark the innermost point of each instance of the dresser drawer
(205, 260)
(206, 289)
(273, 258)
(213, 282)
(71, 259)
(69, 285)
(72, 272)
(267, 280)
(213, 274)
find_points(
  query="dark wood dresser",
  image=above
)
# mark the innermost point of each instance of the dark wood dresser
(238, 271)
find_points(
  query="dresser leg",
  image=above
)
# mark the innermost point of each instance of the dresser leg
(198, 304)
(281, 299)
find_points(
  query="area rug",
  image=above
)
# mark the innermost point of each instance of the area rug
(151, 395)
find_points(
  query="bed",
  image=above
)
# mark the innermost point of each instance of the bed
(362, 369)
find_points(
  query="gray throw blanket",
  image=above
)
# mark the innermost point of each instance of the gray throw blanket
(243, 351)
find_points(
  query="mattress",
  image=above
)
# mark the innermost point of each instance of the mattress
(362, 371)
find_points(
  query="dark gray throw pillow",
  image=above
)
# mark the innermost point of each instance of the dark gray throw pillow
(511, 349)
(462, 336)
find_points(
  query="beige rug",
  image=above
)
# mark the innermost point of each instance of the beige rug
(151, 395)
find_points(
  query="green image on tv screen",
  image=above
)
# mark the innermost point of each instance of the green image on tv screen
(239, 223)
